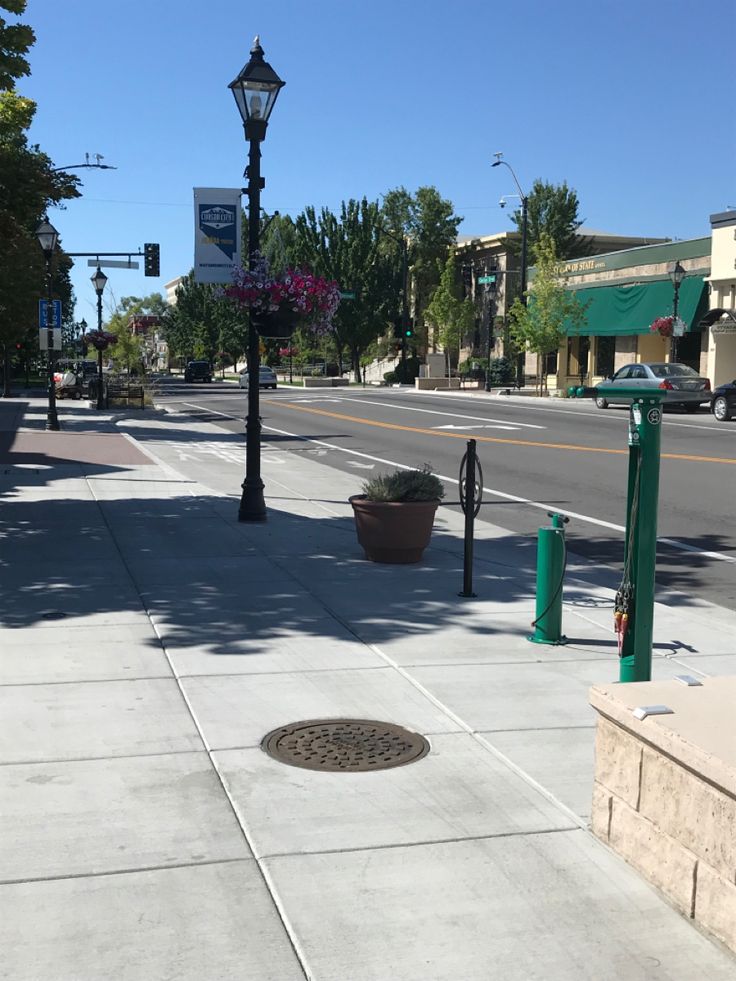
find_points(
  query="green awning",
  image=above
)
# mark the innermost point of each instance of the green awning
(621, 310)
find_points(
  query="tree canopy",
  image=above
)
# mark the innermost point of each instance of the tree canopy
(552, 210)
(452, 316)
(28, 186)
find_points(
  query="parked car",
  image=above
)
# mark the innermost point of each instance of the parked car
(682, 385)
(266, 377)
(723, 403)
(198, 371)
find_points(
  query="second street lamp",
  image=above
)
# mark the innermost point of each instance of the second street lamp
(255, 89)
(98, 281)
(524, 221)
(48, 239)
(677, 274)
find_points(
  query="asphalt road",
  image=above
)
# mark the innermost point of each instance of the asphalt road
(536, 455)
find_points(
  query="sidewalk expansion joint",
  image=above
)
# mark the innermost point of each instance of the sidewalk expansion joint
(141, 868)
(107, 756)
(573, 829)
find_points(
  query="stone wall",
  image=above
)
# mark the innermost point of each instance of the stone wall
(668, 819)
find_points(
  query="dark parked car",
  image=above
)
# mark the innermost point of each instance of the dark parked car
(198, 371)
(723, 403)
(682, 385)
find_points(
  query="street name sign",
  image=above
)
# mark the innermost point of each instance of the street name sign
(116, 263)
(484, 280)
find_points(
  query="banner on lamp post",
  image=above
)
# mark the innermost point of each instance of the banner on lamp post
(216, 233)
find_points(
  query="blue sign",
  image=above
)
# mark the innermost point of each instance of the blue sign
(43, 313)
(217, 225)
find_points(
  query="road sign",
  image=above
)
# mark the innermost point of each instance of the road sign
(43, 339)
(484, 280)
(43, 313)
(347, 296)
(116, 263)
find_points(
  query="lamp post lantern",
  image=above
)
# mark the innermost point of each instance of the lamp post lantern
(524, 222)
(676, 273)
(255, 90)
(48, 239)
(98, 281)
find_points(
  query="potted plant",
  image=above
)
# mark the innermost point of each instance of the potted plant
(395, 513)
(280, 304)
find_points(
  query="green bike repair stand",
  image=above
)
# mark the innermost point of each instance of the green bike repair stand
(645, 429)
(550, 574)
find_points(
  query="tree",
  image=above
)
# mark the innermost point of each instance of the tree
(128, 348)
(347, 248)
(539, 326)
(202, 325)
(430, 224)
(552, 209)
(28, 185)
(452, 317)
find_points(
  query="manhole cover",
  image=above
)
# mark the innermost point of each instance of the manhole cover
(350, 745)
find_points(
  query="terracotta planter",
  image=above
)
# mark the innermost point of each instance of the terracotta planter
(393, 532)
(278, 323)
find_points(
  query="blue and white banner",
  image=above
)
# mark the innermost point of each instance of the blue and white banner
(216, 233)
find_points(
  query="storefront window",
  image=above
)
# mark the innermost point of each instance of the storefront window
(605, 350)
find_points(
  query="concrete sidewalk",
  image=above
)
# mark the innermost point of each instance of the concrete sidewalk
(148, 643)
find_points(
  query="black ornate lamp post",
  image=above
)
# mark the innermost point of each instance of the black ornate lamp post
(677, 274)
(48, 239)
(98, 281)
(256, 89)
(522, 290)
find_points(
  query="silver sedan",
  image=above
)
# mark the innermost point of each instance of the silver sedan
(266, 377)
(681, 384)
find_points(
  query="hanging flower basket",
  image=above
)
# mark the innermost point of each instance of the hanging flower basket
(663, 326)
(99, 339)
(278, 305)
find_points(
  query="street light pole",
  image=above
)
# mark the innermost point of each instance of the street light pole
(48, 239)
(524, 224)
(404, 304)
(677, 274)
(98, 281)
(255, 91)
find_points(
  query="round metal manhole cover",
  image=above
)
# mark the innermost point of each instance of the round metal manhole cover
(344, 745)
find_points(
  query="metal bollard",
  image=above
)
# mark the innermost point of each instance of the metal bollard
(551, 561)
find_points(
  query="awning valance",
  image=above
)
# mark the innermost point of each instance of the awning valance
(624, 310)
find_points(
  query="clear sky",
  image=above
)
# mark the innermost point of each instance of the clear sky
(630, 102)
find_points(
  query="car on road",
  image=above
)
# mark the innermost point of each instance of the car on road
(198, 371)
(266, 377)
(723, 403)
(681, 384)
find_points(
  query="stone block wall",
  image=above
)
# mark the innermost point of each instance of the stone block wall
(675, 827)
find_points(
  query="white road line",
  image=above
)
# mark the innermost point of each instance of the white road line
(719, 556)
(440, 412)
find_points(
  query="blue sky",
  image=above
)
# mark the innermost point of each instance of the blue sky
(630, 102)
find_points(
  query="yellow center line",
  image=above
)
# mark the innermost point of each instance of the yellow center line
(494, 439)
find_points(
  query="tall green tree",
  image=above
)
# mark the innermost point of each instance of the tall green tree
(452, 317)
(347, 248)
(202, 325)
(552, 210)
(28, 186)
(539, 326)
(429, 223)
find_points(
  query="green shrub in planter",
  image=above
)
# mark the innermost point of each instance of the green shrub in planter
(404, 485)
(390, 377)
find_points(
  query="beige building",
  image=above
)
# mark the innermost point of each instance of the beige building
(497, 256)
(720, 321)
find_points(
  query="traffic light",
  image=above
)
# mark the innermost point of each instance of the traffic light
(467, 275)
(20, 346)
(151, 259)
(409, 328)
(492, 278)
